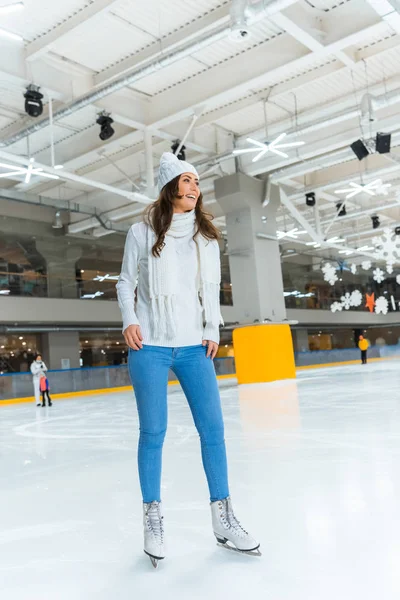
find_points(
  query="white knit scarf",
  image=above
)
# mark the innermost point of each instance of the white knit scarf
(164, 272)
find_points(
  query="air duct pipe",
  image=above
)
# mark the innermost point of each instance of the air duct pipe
(255, 13)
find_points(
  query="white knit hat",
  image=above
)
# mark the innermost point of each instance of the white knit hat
(171, 167)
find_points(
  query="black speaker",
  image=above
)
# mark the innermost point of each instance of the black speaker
(310, 199)
(359, 149)
(341, 209)
(375, 222)
(383, 142)
(397, 231)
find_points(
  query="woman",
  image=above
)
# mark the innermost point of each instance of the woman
(37, 368)
(172, 258)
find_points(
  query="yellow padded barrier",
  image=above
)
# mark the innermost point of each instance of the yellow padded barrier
(263, 353)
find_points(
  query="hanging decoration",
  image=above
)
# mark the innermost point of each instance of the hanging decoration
(366, 265)
(378, 275)
(370, 302)
(356, 298)
(92, 296)
(373, 188)
(387, 248)
(346, 301)
(336, 307)
(262, 148)
(27, 171)
(381, 305)
(106, 277)
(329, 272)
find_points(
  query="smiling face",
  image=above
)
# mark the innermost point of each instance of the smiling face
(189, 191)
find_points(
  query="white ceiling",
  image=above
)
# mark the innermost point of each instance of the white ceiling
(302, 70)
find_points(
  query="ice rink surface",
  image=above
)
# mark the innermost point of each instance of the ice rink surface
(314, 474)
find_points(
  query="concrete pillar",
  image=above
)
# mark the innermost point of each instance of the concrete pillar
(61, 262)
(254, 261)
(300, 338)
(263, 352)
(60, 349)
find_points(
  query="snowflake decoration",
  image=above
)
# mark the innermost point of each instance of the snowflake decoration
(387, 247)
(398, 279)
(372, 188)
(353, 269)
(389, 267)
(356, 298)
(366, 265)
(379, 275)
(346, 301)
(336, 307)
(261, 148)
(381, 305)
(329, 272)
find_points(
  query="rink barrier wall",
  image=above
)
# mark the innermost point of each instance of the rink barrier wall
(66, 382)
(16, 388)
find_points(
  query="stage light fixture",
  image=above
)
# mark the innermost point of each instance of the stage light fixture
(375, 222)
(382, 142)
(359, 149)
(310, 199)
(397, 230)
(181, 154)
(105, 121)
(341, 209)
(33, 101)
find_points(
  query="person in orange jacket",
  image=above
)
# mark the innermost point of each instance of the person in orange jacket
(363, 344)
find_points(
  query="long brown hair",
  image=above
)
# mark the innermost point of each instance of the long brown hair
(159, 216)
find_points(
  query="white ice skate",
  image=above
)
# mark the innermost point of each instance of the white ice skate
(228, 529)
(153, 525)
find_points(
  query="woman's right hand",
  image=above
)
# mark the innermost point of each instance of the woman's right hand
(133, 337)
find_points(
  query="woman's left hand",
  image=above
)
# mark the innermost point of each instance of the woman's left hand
(212, 348)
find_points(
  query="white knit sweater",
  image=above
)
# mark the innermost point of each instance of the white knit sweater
(134, 273)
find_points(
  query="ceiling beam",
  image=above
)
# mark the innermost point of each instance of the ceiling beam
(305, 38)
(184, 34)
(258, 67)
(42, 44)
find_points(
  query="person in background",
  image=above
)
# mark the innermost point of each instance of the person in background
(363, 344)
(44, 388)
(37, 367)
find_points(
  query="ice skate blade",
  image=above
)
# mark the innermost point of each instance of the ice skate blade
(154, 559)
(252, 552)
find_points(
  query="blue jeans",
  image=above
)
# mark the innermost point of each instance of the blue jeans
(148, 369)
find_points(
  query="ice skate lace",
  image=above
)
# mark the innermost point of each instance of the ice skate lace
(230, 521)
(154, 521)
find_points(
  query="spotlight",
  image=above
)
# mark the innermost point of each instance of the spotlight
(106, 131)
(375, 222)
(397, 231)
(383, 142)
(341, 209)
(359, 149)
(310, 199)
(33, 101)
(181, 154)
